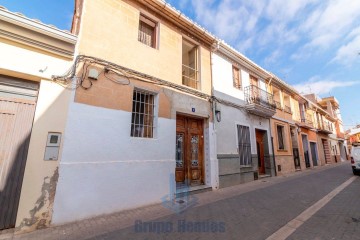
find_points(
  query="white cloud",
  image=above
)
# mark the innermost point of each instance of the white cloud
(286, 11)
(349, 53)
(308, 27)
(314, 85)
(273, 57)
(335, 20)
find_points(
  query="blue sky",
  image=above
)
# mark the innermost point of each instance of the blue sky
(312, 44)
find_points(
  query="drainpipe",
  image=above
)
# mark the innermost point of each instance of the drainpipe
(214, 48)
(272, 147)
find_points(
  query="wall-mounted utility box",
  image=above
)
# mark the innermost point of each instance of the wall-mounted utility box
(52, 146)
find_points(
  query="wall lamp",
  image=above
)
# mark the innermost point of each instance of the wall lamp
(218, 111)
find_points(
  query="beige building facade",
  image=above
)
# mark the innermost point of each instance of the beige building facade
(33, 109)
(140, 118)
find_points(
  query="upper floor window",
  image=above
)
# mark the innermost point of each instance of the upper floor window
(253, 81)
(236, 77)
(190, 71)
(142, 119)
(147, 31)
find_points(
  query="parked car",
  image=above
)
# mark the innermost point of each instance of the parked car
(355, 158)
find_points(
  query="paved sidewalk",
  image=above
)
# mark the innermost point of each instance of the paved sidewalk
(123, 220)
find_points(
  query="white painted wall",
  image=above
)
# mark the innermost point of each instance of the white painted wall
(211, 162)
(223, 79)
(104, 170)
(227, 130)
(226, 133)
(28, 61)
(50, 116)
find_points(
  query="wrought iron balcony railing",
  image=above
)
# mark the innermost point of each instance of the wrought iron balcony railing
(325, 126)
(307, 120)
(287, 109)
(278, 105)
(255, 95)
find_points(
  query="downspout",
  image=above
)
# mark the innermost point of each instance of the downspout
(213, 105)
(272, 147)
(272, 138)
(214, 47)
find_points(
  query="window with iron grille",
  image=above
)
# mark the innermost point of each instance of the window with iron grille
(244, 145)
(142, 119)
(147, 31)
(236, 77)
(280, 132)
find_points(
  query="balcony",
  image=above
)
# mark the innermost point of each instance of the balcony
(287, 109)
(324, 128)
(306, 121)
(278, 105)
(259, 102)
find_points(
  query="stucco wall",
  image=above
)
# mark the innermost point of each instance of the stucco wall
(103, 169)
(223, 78)
(226, 129)
(30, 63)
(115, 36)
(40, 176)
(103, 166)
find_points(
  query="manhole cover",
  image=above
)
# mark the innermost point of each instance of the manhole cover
(356, 219)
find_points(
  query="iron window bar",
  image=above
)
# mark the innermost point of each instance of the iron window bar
(142, 119)
(190, 76)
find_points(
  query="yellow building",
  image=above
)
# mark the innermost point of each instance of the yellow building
(33, 112)
(140, 117)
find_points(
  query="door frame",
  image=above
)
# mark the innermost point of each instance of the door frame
(307, 147)
(316, 153)
(187, 171)
(263, 133)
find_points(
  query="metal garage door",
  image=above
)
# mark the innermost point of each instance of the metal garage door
(17, 107)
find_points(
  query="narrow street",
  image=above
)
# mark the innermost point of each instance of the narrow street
(250, 211)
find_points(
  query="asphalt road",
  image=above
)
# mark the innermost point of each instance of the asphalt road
(258, 214)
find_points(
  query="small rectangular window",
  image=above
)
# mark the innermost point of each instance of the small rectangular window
(253, 80)
(236, 77)
(142, 119)
(147, 31)
(244, 145)
(280, 132)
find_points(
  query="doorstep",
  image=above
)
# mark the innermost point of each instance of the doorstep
(264, 176)
(192, 190)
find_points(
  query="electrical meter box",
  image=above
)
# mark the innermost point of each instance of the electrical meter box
(52, 146)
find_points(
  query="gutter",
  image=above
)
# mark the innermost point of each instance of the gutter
(36, 26)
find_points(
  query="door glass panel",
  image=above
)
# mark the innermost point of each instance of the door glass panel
(195, 151)
(179, 150)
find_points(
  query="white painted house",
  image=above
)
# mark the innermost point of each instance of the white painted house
(243, 109)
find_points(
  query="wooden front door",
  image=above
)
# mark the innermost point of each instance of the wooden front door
(260, 151)
(189, 151)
